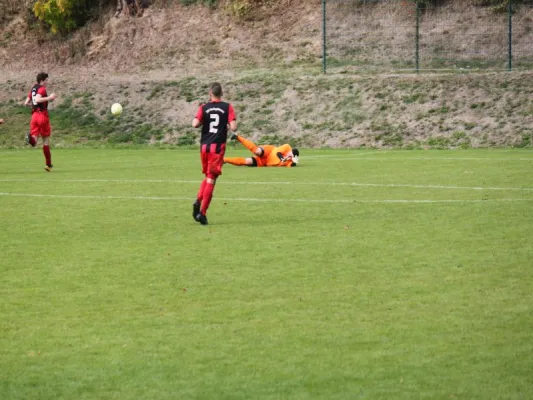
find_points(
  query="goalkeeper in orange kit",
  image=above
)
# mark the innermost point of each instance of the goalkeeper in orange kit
(265, 155)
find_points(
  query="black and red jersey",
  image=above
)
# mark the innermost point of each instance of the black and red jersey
(215, 117)
(35, 90)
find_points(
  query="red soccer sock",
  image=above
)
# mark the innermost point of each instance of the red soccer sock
(208, 195)
(33, 141)
(200, 194)
(47, 154)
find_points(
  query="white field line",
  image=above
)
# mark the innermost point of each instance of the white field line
(262, 200)
(385, 158)
(370, 156)
(345, 155)
(223, 182)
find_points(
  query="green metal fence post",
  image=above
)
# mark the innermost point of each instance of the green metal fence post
(510, 35)
(324, 36)
(417, 37)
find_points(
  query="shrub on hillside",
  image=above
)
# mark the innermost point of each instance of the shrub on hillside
(245, 9)
(62, 16)
(56, 13)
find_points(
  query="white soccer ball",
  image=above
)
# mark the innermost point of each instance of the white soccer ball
(116, 109)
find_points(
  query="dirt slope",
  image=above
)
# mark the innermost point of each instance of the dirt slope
(159, 67)
(175, 39)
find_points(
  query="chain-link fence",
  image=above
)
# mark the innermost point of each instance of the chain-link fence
(429, 34)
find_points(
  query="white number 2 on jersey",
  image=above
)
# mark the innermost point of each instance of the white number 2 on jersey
(215, 120)
(34, 97)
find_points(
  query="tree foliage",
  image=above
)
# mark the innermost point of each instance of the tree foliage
(56, 13)
(65, 15)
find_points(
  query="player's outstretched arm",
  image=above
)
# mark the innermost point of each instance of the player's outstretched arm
(41, 99)
(286, 157)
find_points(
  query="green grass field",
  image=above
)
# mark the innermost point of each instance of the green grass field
(358, 275)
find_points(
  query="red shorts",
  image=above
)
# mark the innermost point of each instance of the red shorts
(40, 124)
(212, 164)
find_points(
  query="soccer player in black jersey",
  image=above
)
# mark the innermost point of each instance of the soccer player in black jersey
(214, 118)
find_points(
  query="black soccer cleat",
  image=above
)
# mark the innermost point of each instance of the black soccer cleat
(195, 209)
(28, 139)
(201, 218)
(233, 136)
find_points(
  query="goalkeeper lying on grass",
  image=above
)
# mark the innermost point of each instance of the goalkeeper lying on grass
(265, 155)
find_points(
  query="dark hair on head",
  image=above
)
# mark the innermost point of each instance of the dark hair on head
(216, 89)
(42, 76)
(296, 152)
